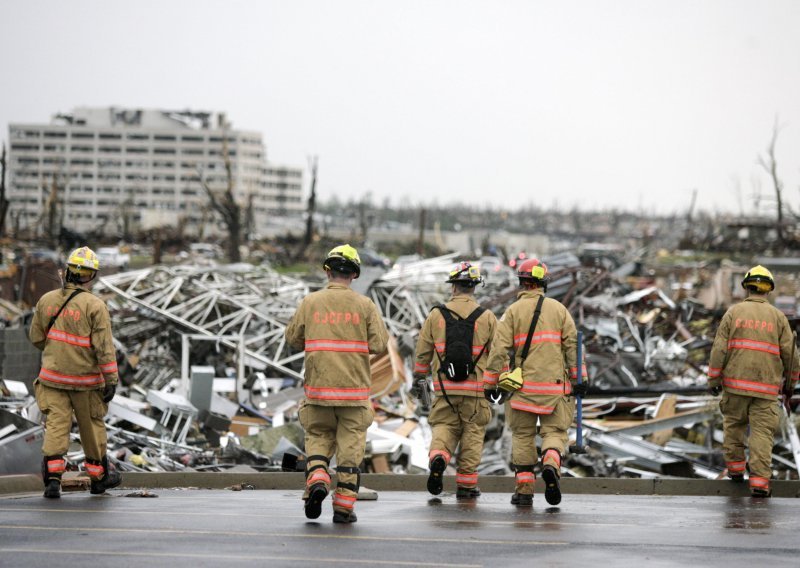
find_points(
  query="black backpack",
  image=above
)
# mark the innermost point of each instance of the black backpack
(457, 364)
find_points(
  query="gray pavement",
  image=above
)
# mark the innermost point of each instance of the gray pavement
(191, 527)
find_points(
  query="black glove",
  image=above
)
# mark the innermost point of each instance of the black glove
(715, 390)
(420, 383)
(580, 389)
(108, 392)
(496, 396)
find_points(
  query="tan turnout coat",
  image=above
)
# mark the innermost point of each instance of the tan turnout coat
(551, 360)
(432, 339)
(752, 348)
(78, 351)
(338, 328)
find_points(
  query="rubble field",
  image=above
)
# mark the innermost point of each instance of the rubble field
(209, 384)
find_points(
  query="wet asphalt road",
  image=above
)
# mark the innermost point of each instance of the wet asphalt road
(225, 528)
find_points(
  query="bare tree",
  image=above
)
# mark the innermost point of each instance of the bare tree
(48, 219)
(225, 204)
(312, 205)
(126, 213)
(770, 164)
(249, 218)
(3, 200)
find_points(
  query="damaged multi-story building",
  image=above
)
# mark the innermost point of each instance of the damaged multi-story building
(112, 168)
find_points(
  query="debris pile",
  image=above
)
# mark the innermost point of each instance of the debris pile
(209, 383)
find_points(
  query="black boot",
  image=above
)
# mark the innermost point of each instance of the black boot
(316, 495)
(467, 492)
(52, 490)
(109, 480)
(342, 517)
(437, 466)
(522, 500)
(552, 489)
(51, 476)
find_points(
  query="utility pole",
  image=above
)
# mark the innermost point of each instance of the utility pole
(421, 240)
(3, 200)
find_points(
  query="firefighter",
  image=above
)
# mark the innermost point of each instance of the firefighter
(752, 350)
(539, 390)
(338, 329)
(78, 374)
(460, 412)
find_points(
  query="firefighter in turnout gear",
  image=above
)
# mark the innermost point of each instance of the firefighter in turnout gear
(752, 351)
(338, 329)
(539, 388)
(78, 374)
(460, 412)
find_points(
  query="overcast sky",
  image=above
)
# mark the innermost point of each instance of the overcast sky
(628, 104)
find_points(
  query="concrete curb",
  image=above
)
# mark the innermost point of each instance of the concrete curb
(390, 482)
(20, 484)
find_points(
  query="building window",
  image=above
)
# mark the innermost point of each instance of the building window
(164, 137)
(138, 137)
(55, 134)
(83, 135)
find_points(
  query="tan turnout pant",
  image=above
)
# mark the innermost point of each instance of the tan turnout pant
(553, 428)
(466, 427)
(58, 406)
(341, 430)
(762, 416)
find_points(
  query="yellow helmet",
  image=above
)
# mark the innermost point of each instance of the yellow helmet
(760, 279)
(83, 261)
(343, 258)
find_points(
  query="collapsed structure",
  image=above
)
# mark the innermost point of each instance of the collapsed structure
(210, 383)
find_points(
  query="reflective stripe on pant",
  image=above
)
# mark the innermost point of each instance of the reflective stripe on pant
(59, 405)
(553, 428)
(340, 429)
(465, 427)
(552, 458)
(525, 478)
(762, 415)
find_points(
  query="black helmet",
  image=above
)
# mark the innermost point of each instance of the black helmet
(465, 274)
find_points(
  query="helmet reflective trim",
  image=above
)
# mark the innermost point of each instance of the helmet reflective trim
(532, 269)
(760, 279)
(465, 273)
(343, 258)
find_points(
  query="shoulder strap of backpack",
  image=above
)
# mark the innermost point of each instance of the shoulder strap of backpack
(448, 318)
(448, 314)
(53, 319)
(472, 318)
(534, 321)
